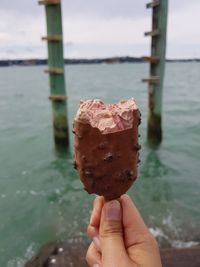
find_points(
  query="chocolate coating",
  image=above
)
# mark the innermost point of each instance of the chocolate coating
(107, 163)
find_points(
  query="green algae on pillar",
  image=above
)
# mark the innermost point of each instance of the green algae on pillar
(55, 70)
(157, 69)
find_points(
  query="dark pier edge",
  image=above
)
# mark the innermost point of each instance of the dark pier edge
(66, 254)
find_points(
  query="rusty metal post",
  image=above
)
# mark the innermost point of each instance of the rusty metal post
(157, 68)
(55, 70)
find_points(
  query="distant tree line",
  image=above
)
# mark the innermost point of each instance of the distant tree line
(112, 60)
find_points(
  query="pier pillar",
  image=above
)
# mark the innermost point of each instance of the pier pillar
(56, 71)
(157, 68)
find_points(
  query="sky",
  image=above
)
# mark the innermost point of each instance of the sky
(94, 28)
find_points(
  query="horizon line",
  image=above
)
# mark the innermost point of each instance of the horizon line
(97, 58)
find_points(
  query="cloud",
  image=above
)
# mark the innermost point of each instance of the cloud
(92, 8)
(105, 50)
(115, 31)
(183, 27)
(97, 28)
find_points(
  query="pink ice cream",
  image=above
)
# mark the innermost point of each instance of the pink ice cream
(108, 118)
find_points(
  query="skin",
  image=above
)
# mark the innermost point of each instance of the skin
(119, 236)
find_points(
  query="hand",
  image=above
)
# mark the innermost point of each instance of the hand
(120, 236)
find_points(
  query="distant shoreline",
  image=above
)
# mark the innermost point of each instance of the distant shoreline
(109, 60)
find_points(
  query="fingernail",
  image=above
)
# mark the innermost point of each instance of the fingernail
(96, 265)
(113, 211)
(97, 243)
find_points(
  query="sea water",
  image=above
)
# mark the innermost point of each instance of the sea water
(41, 197)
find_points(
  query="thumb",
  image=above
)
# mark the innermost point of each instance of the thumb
(111, 235)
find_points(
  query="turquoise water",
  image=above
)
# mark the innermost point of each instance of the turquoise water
(41, 198)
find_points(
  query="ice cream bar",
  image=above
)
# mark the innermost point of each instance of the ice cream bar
(106, 146)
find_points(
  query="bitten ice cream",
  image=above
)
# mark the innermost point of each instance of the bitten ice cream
(106, 146)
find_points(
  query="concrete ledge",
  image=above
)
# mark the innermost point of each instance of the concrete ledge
(183, 257)
(72, 253)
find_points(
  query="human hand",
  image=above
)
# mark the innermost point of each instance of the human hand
(120, 236)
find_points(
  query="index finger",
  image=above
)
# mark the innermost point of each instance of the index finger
(93, 227)
(96, 213)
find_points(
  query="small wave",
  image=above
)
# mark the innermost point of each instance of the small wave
(19, 262)
(158, 233)
(16, 263)
(182, 244)
(171, 223)
(32, 192)
(24, 172)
